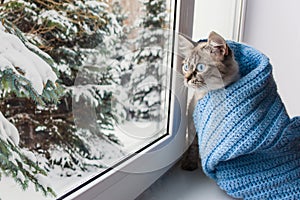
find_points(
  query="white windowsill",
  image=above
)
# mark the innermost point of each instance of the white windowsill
(178, 184)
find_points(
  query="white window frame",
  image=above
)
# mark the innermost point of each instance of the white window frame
(120, 182)
(239, 20)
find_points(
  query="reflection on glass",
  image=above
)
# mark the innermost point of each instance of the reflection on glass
(83, 86)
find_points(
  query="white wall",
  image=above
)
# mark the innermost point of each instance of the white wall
(217, 15)
(273, 27)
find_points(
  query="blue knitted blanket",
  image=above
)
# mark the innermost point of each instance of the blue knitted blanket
(247, 142)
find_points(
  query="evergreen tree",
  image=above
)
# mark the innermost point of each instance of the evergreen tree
(21, 75)
(77, 34)
(147, 74)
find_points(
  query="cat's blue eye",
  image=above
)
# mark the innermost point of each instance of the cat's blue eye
(200, 67)
(185, 67)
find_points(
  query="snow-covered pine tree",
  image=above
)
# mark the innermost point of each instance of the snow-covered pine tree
(71, 32)
(105, 71)
(22, 75)
(146, 79)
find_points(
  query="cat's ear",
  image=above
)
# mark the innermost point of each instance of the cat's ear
(217, 45)
(185, 46)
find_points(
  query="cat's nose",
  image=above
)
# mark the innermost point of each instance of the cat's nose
(189, 76)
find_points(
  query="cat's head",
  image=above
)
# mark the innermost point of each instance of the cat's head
(208, 65)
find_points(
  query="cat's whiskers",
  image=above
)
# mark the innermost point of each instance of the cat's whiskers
(182, 87)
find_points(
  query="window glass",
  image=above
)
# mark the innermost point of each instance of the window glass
(83, 86)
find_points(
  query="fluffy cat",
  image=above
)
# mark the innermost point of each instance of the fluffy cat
(206, 66)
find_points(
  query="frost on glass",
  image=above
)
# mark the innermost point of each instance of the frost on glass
(83, 86)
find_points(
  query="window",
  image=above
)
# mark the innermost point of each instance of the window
(111, 121)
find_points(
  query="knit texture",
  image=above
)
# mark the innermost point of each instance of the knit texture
(247, 142)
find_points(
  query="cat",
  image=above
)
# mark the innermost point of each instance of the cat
(206, 66)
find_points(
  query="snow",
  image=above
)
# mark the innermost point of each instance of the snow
(2, 28)
(15, 55)
(64, 68)
(96, 5)
(14, 157)
(40, 128)
(8, 132)
(29, 155)
(20, 176)
(88, 92)
(44, 180)
(138, 70)
(147, 83)
(35, 48)
(152, 98)
(58, 19)
(133, 135)
(10, 190)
